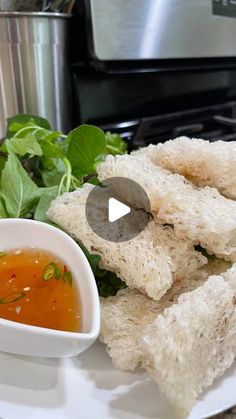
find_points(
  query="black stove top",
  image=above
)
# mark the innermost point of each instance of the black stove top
(211, 123)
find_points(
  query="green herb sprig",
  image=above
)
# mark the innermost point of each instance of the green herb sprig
(37, 164)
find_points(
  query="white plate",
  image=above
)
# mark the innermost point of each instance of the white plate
(88, 387)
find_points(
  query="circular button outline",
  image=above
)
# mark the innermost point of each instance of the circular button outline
(127, 227)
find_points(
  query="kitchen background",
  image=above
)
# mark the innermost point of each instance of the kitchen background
(150, 70)
(153, 70)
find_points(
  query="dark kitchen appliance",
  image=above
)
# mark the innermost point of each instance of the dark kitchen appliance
(156, 69)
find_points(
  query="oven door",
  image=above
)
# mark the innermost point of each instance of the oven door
(161, 29)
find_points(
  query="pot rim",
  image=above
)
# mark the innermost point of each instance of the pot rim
(35, 14)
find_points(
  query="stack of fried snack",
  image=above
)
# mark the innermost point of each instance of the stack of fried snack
(177, 316)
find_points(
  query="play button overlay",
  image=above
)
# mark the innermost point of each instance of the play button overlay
(116, 210)
(113, 210)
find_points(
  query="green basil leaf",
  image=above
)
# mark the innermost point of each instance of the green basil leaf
(92, 259)
(52, 152)
(18, 122)
(94, 181)
(115, 144)
(44, 203)
(109, 284)
(85, 143)
(51, 149)
(2, 163)
(52, 177)
(26, 145)
(3, 213)
(19, 192)
(53, 135)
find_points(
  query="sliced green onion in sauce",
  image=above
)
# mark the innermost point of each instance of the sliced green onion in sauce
(53, 271)
(12, 298)
(68, 277)
(49, 272)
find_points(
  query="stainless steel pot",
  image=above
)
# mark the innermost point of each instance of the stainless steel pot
(34, 68)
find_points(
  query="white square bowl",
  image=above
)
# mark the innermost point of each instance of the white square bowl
(23, 339)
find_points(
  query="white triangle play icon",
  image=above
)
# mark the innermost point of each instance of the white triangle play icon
(116, 210)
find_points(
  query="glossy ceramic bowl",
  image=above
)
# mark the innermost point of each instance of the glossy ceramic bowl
(37, 341)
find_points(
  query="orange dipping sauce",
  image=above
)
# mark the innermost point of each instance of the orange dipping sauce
(36, 288)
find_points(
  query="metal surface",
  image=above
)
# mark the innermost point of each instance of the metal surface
(34, 75)
(160, 29)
